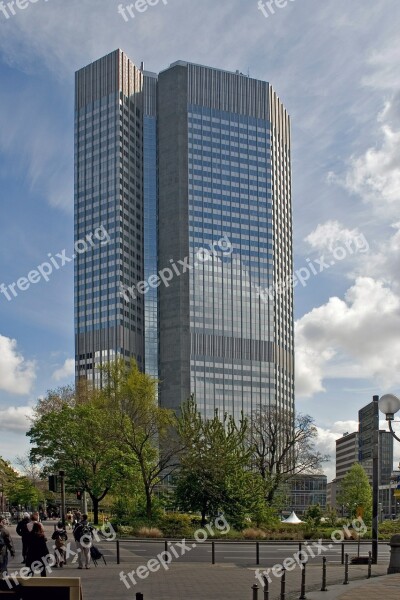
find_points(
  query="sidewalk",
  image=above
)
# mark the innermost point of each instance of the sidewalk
(225, 581)
(385, 588)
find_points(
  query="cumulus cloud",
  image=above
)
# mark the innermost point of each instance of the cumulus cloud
(375, 174)
(328, 235)
(15, 419)
(16, 373)
(66, 371)
(360, 331)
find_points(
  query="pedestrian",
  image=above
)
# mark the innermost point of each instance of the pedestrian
(37, 549)
(60, 537)
(6, 546)
(34, 519)
(23, 531)
(83, 537)
(70, 518)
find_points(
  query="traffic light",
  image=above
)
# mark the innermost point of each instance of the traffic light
(79, 494)
(53, 483)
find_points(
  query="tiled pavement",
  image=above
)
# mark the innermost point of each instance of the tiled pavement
(200, 581)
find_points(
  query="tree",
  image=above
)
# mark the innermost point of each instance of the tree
(77, 439)
(142, 428)
(214, 473)
(355, 493)
(282, 446)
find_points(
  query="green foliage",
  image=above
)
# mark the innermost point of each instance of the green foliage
(142, 428)
(176, 525)
(330, 516)
(214, 473)
(313, 514)
(355, 493)
(77, 439)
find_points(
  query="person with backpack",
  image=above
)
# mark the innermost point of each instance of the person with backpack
(83, 537)
(60, 537)
(23, 532)
(6, 546)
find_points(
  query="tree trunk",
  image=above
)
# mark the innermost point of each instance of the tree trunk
(149, 504)
(203, 517)
(95, 510)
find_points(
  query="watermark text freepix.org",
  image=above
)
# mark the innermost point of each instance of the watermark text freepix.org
(268, 8)
(140, 6)
(317, 548)
(354, 245)
(7, 8)
(50, 560)
(176, 550)
(177, 269)
(56, 262)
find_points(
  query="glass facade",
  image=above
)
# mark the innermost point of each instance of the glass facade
(108, 193)
(226, 326)
(150, 222)
(229, 162)
(307, 490)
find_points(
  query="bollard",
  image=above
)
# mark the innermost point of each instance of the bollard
(165, 546)
(369, 565)
(257, 553)
(266, 588)
(394, 565)
(342, 553)
(303, 583)
(346, 570)
(213, 552)
(300, 546)
(283, 584)
(255, 592)
(323, 587)
(139, 596)
(118, 554)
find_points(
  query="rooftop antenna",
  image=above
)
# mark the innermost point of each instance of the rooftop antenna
(142, 66)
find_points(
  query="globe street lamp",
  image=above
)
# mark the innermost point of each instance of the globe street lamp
(390, 405)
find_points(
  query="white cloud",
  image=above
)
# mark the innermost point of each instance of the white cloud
(16, 374)
(328, 235)
(355, 337)
(15, 419)
(375, 174)
(66, 371)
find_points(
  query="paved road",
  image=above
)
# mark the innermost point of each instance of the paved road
(238, 553)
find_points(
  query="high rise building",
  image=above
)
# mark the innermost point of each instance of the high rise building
(226, 326)
(202, 157)
(346, 454)
(368, 423)
(116, 187)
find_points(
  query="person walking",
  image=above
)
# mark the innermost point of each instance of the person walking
(37, 549)
(23, 532)
(60, 537)
(83, 536)
(6, 546)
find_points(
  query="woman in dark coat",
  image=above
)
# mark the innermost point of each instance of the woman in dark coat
(37, 549)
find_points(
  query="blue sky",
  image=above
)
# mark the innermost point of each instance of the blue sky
(334, 64)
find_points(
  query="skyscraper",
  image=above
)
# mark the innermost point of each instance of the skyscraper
(115, 186)
(226, 326)
(203, 157)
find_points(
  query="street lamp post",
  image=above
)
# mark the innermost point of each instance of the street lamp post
(390, 405)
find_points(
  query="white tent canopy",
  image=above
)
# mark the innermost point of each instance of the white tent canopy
(293, 519)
